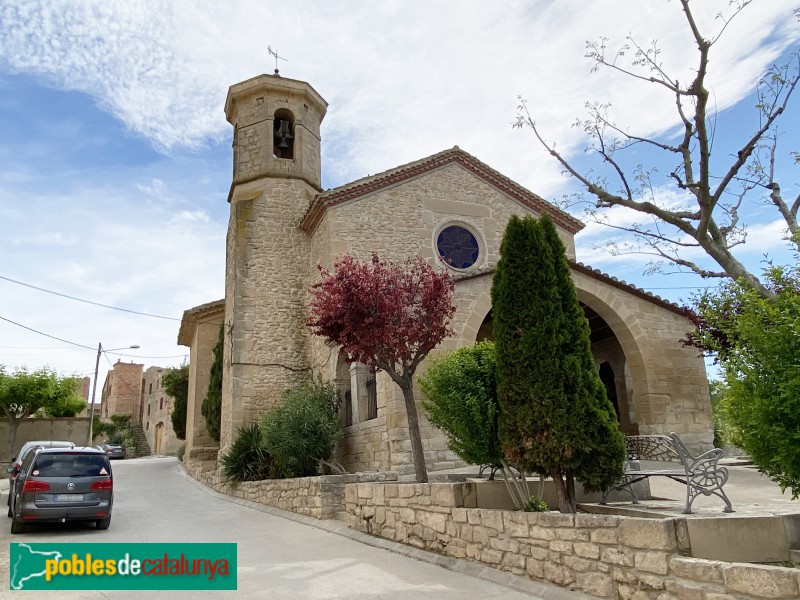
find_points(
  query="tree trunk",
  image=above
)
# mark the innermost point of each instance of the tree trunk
(413, 433)
(565, 491)
(570, 480)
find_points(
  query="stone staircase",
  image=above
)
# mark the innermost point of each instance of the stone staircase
(140, 440)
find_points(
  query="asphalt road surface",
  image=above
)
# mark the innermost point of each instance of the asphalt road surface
(154, 501)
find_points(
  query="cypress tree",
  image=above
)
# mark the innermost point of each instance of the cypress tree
(211, 408)
(555, 416)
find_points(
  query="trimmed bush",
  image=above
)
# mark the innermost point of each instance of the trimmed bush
(247, 459)
(461, 390)
(176, 384)
(303, 429)
(212, 403)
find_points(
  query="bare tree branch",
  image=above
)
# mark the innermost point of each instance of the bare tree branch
(712, 219)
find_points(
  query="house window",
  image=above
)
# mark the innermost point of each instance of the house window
(148, 409)
(372, 399)
(161, 404)
(457, 247)
(150, 391)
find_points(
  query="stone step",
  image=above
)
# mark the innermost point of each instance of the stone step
(140, 440)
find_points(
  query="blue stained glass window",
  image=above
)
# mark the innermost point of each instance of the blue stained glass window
(457, 247)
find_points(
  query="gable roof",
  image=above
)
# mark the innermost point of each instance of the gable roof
(599, 276)
(194, 315)
(373, 183)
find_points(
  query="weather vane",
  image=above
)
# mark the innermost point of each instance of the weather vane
(275, 54)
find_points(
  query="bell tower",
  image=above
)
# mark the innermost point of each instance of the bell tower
(276, 124)
(276, 174)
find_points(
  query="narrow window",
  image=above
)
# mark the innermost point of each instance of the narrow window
(372, 399)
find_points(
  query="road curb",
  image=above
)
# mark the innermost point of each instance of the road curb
(541, 590)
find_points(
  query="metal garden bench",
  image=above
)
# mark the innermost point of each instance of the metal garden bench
(700, 474)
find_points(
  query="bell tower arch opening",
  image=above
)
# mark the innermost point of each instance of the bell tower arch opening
(283, 136)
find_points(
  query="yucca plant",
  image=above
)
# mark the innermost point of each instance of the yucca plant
(247, 459)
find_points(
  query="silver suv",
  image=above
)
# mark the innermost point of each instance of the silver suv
(62, 484)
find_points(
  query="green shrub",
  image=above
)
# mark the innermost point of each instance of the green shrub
(116, 431)
(176, 384)
(535, 504)
(758, 345)
(302, 430)
(247, 459)
(181, 452)
(461, 392)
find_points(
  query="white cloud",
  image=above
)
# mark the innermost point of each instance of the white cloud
(404, 79)
(188, 215)
(399, 84)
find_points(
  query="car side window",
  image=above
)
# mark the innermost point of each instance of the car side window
(27, 460)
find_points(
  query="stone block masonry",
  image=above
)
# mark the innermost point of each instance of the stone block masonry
(601, 555)
(320, 497)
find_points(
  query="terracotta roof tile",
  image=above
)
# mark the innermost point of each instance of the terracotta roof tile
(594, 274)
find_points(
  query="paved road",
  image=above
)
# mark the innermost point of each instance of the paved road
(278, 557)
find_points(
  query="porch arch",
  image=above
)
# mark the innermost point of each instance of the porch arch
(620, 350)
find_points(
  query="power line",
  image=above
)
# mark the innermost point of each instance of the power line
(47, 334)
(105, 352)
(135, 312)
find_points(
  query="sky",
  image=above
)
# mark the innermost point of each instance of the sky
(115, 155)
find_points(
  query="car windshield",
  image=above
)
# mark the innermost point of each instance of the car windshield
(70, 465)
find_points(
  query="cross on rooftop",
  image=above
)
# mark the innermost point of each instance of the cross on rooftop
(275, 54)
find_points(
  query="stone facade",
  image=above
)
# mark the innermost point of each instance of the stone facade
(605, 556)
(131, 390)
(122, 391)
(282, 225)
(200, 329)
(157, 414)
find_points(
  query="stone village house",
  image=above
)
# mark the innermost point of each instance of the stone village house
(451, 209)
(132, 390)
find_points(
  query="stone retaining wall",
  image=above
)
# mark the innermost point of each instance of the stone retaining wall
(602, 555)
(320, 497)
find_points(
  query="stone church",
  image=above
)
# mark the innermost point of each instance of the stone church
(449, 208)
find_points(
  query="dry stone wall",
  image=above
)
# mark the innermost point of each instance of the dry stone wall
(601, 555)
(320, 497)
